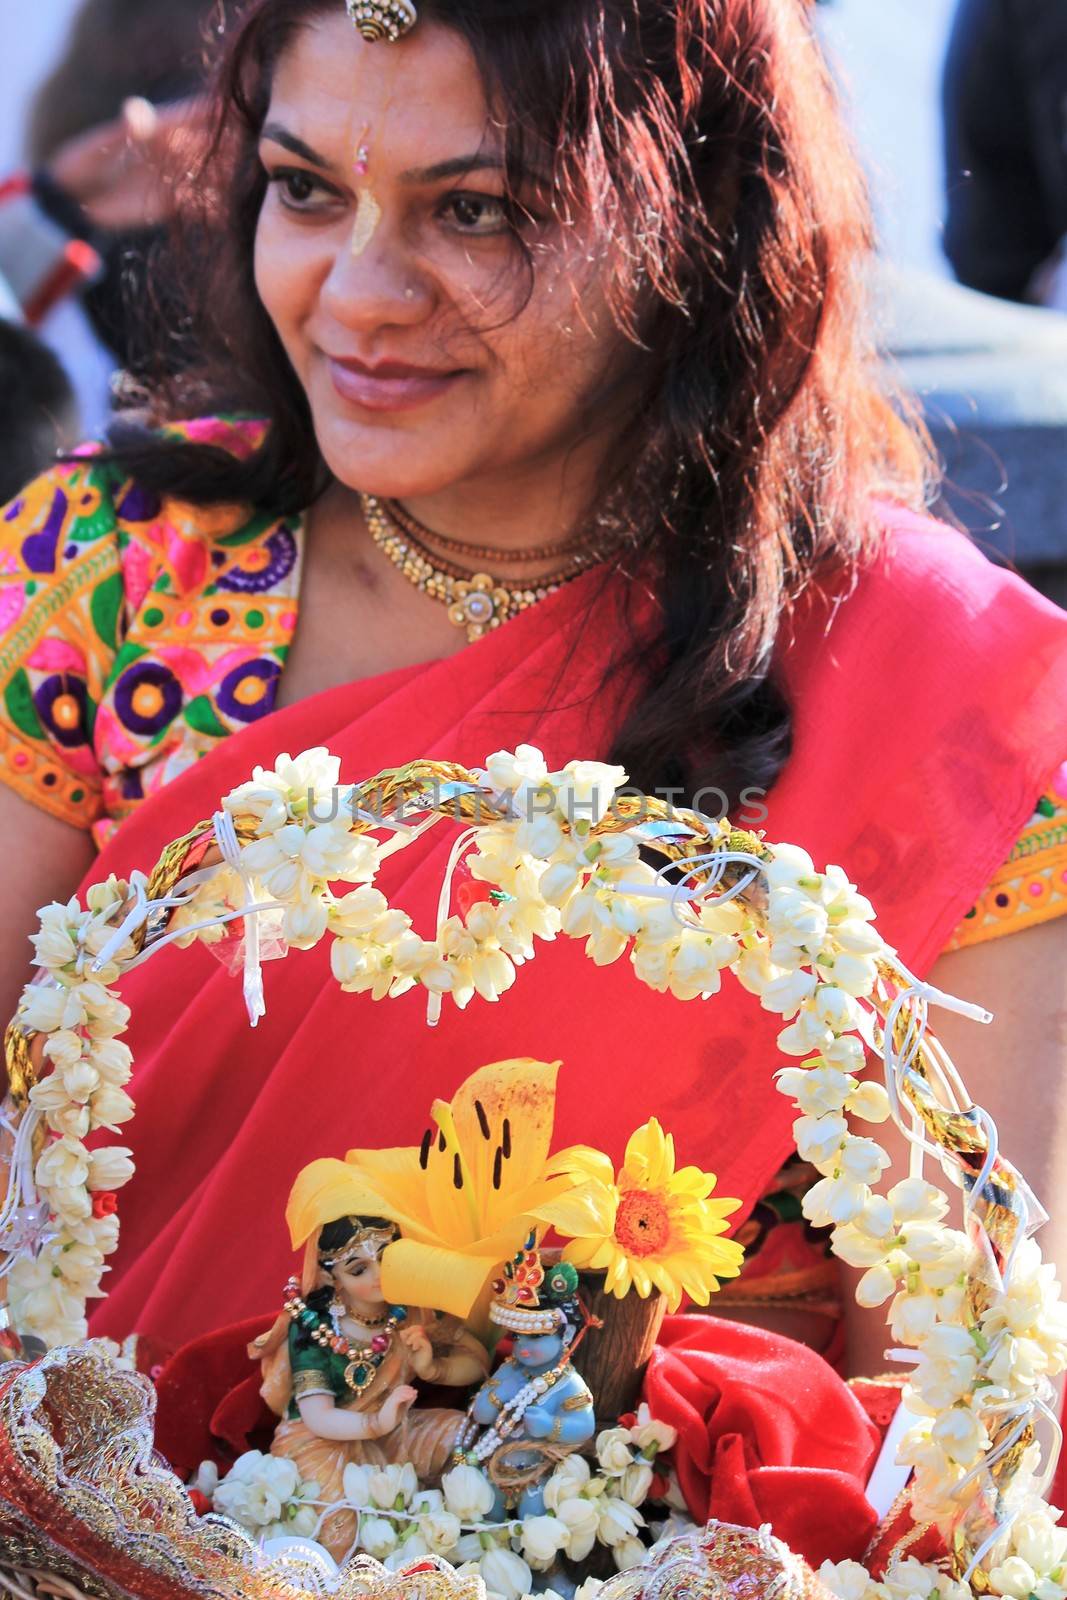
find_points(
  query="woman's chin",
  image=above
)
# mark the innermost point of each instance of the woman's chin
(396, 468)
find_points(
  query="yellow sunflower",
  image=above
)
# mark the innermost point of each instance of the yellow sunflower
(651, 1227)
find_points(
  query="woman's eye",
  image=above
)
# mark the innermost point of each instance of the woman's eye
(296, 187)
(484, 213)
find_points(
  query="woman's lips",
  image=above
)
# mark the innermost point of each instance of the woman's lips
(388, 392)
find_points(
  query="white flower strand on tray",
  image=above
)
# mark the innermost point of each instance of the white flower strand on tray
(977, 1312)
(399, 1523)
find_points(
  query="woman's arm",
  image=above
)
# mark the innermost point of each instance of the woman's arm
(466, 1363)
(330, 1421)
(41, 859)
(1016, 1067)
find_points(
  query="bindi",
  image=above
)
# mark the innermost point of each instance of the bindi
(368, 211)
(361, 160)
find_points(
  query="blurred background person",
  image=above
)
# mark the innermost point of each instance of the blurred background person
(81, 223)
(38, 413)
(1005, 123)
(992, 375)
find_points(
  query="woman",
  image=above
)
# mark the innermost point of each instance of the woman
(330, 1418)
(570, 295)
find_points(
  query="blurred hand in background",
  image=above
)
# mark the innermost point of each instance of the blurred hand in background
(123, 173)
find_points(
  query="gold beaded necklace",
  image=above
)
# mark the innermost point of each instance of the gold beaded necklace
(476, 601)
(474, 552)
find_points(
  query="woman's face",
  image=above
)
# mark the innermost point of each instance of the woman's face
(359, 1282)
(385, 261)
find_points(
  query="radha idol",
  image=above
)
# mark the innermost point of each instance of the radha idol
(340, 1367)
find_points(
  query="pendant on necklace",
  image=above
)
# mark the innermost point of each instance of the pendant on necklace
(360, 1374)
(478, 604)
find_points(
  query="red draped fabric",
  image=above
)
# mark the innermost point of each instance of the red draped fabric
(930, 707)
(767, 1432)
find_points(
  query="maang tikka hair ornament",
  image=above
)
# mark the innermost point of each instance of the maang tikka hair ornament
(383, 19)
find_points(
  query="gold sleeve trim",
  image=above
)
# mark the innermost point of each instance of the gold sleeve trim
(307, 1383)
(45, 785)
(1031, 887)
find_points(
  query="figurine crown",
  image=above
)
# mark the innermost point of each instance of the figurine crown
(363, 1243)
(529, 1300)
(383, 19)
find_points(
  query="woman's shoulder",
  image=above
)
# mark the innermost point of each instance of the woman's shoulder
(92, 485)
(932, 563)
(240, 434)
(926, 585)
(133, 622)
(89, 503)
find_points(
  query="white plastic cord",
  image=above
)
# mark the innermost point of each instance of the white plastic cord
(680, 893)
(987, 1544)
(141, 910)
(461, 844)
(21, 1192)
(252, 983)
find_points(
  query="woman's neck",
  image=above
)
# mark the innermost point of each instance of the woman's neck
(361, 1314)
(538, 504)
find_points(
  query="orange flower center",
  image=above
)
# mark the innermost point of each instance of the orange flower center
(147, 699)
(250, 690)
(66, 711)
(642, 1223)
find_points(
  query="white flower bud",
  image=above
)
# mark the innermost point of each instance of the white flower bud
(441, 1531)
(870, 1103)
(109, 1168)
(506, 1574)
(377, 1537)
(581, 1518)
(819, 1138)
(542, 1539)
(876, 1285)
(629, 1553)
(1015, 1578)
(468, 1494)
(613, 1451)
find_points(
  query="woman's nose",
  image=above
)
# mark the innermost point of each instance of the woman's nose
(372, 280)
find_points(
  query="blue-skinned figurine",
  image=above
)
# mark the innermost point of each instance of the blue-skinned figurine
(535, 1408)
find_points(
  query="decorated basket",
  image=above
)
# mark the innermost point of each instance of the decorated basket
(87, 1505)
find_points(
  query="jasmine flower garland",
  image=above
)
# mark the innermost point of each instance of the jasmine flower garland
(399, 1523)
(975, 1311)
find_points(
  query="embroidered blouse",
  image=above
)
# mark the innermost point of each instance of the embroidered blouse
(136, 632)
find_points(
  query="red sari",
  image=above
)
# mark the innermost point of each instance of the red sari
(930, 706)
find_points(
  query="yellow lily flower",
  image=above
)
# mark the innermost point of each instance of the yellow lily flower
(652, 1227)
(464, 1200)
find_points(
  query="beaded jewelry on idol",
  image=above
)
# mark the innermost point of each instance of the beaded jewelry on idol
(382, 19)
(364, 1360)
(475, 600)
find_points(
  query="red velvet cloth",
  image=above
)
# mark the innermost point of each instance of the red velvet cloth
(929, 712)
(208, 1404)
(767, 1432)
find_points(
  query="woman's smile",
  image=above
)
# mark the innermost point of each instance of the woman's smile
(389, 385)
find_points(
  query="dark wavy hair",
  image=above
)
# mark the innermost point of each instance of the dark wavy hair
(705, 139)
